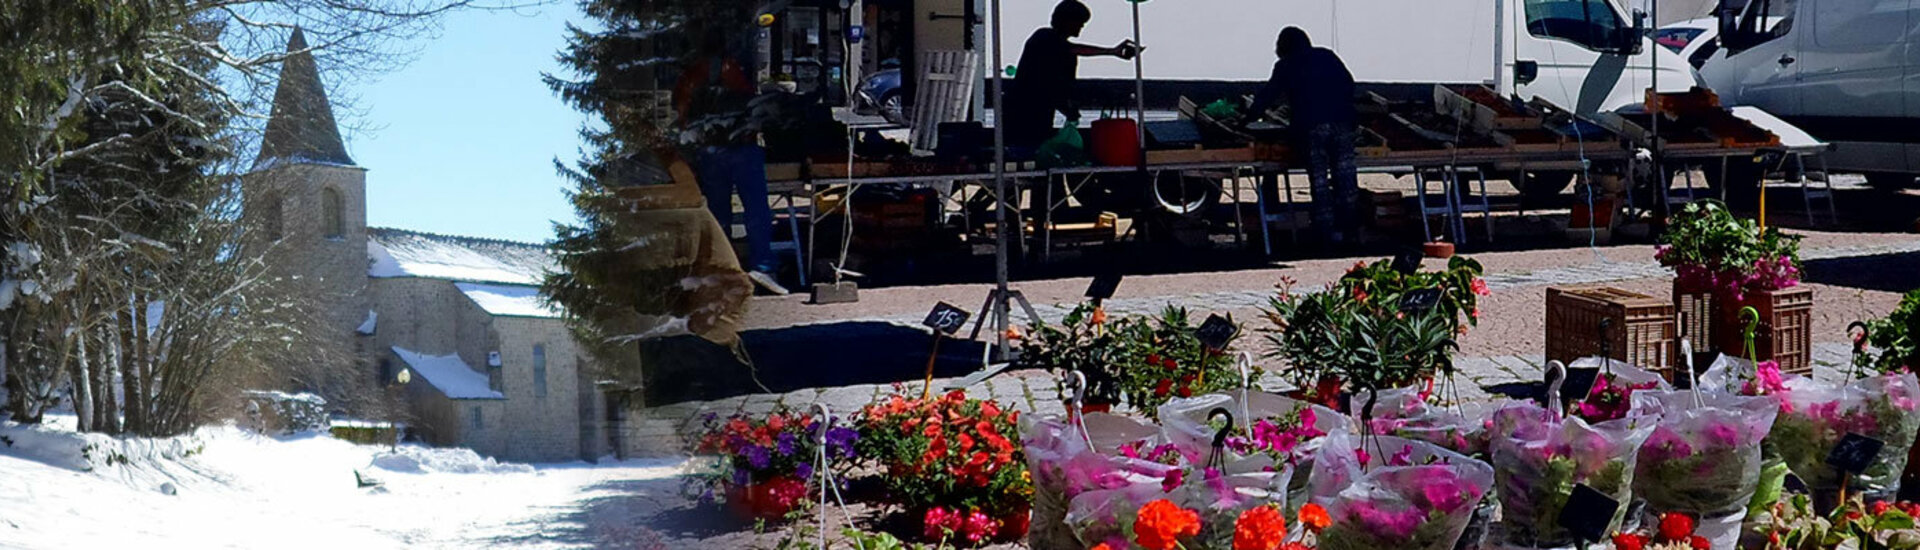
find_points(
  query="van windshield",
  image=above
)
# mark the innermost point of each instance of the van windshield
(1590, 23)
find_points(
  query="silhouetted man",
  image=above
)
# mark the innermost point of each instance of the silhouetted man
(1319, 90)
(1043, 83)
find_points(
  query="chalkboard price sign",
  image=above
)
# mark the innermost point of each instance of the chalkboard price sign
(1855, 453)
(946, 319)
(1408, 262)
(1587, 513)
(1420, 301)
(1103, 286)
(1216, 332)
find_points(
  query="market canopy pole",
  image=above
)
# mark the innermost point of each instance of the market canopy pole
(1139, 85)
(999, 298)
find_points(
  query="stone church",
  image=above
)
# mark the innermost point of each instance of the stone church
(487, 365)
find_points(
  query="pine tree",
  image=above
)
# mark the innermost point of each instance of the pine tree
(636, 269)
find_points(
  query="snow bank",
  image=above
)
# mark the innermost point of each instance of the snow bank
(56, 446)
(414, 459)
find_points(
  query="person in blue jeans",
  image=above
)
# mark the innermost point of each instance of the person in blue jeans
(1319, 90)
(711, 98)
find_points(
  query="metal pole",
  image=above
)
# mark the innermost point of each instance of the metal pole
(1000, 194)
(1139, 85)
(1659, 171)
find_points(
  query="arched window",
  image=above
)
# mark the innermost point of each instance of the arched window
(271, 217)
(330, 215)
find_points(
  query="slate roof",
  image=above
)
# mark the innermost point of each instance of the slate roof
(301, 128)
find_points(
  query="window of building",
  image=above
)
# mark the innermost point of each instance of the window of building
(479, 423)
(331, 216)
(539, 370)
(1590, 23)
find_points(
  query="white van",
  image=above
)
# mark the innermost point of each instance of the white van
(1846, 71)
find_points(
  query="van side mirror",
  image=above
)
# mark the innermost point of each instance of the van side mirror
(1633, 39)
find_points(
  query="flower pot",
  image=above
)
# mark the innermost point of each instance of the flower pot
(1438, 249)
(769, 500)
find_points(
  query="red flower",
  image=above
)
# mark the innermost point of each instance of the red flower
(1185, 391)
(1161, 389)
(1675, 526)
(1480, 287)
(1879, 507)
(1629, 541)
(1101, 546)
(1153, 358)
(1359, 294)
(1161, 523)
(1854, 515)
(1314, 517)
(1699, 543)
(1259, 528)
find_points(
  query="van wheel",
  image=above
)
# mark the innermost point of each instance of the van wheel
(1543, 188)
(1890, 181)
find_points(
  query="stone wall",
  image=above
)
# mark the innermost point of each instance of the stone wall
(334, 266)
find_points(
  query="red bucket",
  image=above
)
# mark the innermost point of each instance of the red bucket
(1115, 142)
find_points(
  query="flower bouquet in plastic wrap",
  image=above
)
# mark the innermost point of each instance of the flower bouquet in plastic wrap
(1066, 462)
(1267, 429)
(1390, 493)
(1703, 459)
(1614, 384)
(1216, 496)
(1814, 417)
(1462, 428)
(1540, 456)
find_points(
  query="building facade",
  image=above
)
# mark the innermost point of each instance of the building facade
(487, 365)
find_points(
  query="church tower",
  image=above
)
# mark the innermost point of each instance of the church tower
(308, 196)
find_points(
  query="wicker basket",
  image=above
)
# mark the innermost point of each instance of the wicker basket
(1642, 331)
(1786, 327)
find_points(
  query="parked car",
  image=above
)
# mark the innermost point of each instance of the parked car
(1843, 70)
(880, 94)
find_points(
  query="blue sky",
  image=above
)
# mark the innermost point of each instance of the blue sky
(462, 140)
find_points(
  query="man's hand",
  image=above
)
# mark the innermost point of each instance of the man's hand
(1125, 50)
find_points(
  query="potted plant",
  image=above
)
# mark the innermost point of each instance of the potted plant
(765, 463)
(952, 463)
(1376, 327)
(1082, 342)
(1160, 358)
(1723, 264)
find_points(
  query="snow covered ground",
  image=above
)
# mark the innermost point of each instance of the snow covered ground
(227, 488)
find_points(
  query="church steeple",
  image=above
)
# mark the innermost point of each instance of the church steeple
(301, 128)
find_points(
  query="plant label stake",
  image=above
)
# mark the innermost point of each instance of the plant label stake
(945, 320)
(1859, 348)
(1853, 455)
(1587, 514)
(1556, 375)
(1216, 332)
(1103, 286)
(1693, 381)
(1420, 301)
(1752, 317)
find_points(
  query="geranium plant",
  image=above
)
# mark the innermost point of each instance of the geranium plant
(1163, 359)
(1362, 330)
(1673, 532)
(1795, 525)
(949, 462)
(1709, 249)
(764, 463)
(1898, 337)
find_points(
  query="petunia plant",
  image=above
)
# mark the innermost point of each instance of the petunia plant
(763, 464)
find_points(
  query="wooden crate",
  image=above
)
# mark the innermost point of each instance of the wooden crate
(1642, 331)
(1786, 327)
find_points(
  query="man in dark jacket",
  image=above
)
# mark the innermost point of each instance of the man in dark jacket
(711, 98)
(1319, 91)
(1044, 79)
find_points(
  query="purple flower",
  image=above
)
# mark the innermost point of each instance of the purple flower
(784, 443)
(804, 470)
(840, 440)
(756, 456)
(739, 476)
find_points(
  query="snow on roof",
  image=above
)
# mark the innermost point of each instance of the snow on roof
(401, 253)
(449, 374)
(367, 327)
(513, 300)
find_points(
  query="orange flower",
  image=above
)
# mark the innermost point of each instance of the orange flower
(1259, 528)
(1013, 333)
(1314, 517)
(1161, 523)
(1099, 316)
(1359, 295)
(1101, 546)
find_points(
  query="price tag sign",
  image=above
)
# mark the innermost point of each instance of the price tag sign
(1216, 332)
(946, 319)
(1579, 382)
(1587, 513)
(1420, 301)
(1103, 286)
(1855, 453)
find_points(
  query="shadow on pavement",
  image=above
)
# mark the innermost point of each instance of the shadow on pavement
(808, 356)
(1887, 272)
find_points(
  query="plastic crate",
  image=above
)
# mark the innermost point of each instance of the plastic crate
(1641, 332)
(1785, 333)
(1696, 314)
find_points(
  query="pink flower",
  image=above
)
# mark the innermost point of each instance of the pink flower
(1173, 480)
(1666, 445)
(1723, 435)
(978, 527)
(1391, 524)
(1402, 458)
(1362, 456)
